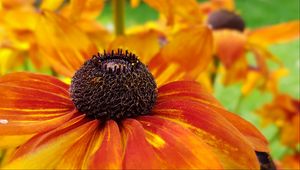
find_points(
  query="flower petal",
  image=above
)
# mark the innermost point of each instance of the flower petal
(193, 91)
(109, 155)
(52, 149)
(137, 42)
(230, 46)
(227, 142)
(192, 55)
(139, 154)
(275, 34)
(178, 146)
(13, 141)
(186, 89)
(31, 103)
(63, 44)
(85, 10)
(174, 11)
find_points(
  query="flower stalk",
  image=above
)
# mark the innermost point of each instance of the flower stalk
(119, 13)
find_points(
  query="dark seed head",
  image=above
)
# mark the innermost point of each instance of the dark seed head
(113, 86)
(224, 19)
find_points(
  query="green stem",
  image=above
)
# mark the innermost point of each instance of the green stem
(238, 104)
(118, 10)
(214, 75)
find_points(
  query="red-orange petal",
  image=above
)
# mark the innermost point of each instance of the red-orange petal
(62, 43)
(31, 103)
(193, 91)
(232, 147)
(50, 147)
(177, 145)
(189, 52)
(109, 155)
(276, 33)
(186, 89)
(138, 153)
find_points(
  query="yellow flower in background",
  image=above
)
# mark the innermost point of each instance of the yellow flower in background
(284, 112)
(20, 19)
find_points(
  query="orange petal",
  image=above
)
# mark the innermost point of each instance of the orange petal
(212, 5)
(193, 91)
(227, 142)
(52, 150)
(144, 44)
(229, 45)
(31, 103)
(190, 51)
(109, 155)
(275, 34)
(13, 141)
(51, 4)
(64, 45)
(181, 11)
(134, 3)
(139, 154)
(177, 146)
(85, 10)
(186, 89)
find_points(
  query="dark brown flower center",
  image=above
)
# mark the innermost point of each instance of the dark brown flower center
(224, 19)
(113, 86)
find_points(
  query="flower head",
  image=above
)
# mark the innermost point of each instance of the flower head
(186, 128)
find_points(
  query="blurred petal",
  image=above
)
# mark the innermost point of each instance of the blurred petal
(226, 141)
(83, 9)
(64, 45)
(276, 34)
(52, 149)
(229, 46)
(174, 10)
(51, 4)
(109, 155)
(193, 91)
(139, 154)
(192, 55)
(177, 146)
(144, 44)
(31, 103)
(134, 3)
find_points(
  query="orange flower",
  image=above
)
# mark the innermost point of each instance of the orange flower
(187, 128)
(232, 41)
(232, 44)
(284, 112)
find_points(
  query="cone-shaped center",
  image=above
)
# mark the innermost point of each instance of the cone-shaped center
(113, 86)
(224, 19)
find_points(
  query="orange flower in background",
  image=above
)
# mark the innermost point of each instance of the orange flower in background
(232, 44)
(290, 161)
(187, 128)
(21, 18)
(284, 111)
(232, 40)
